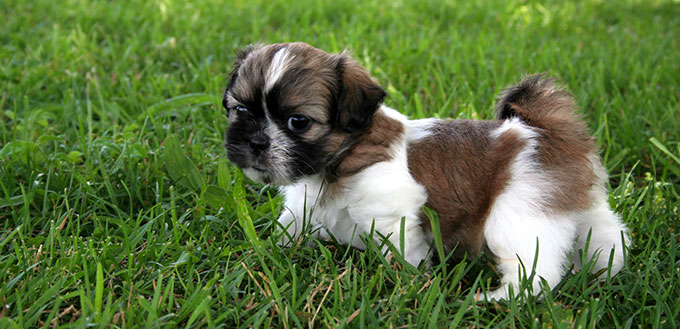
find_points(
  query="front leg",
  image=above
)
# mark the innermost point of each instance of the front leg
(298, 215)
(288, 228)
(416, 244)
(291, 226)
(381, 196)
(383, 212)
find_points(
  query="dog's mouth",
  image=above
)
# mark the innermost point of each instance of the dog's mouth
(265, 168)
(266, 176)
(257, 167)
(255, 170)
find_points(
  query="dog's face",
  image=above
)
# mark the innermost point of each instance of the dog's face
(293, 110)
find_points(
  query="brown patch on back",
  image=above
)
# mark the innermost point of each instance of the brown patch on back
(463, 169)
(564, 143)
(371, 147)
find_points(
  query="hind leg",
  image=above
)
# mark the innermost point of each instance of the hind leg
(605, 229)
(514, 237)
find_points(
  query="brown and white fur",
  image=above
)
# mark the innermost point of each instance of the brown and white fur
(314, 124)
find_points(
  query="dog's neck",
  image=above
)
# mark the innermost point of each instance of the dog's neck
(359, 151)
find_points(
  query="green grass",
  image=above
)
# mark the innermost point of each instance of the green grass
(118, 207)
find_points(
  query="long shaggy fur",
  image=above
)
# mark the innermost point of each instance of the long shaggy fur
(531, 178)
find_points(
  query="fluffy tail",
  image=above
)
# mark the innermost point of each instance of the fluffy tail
(540, 103)
(565, 148)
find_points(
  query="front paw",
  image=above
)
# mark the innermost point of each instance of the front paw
(497, 295)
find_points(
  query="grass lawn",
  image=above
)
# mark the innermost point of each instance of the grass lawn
(118, 207)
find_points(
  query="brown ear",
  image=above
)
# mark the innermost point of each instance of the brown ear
(240, 57)
(359, 96)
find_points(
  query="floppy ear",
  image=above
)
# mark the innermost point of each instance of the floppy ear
(240, 57)
(358, 97)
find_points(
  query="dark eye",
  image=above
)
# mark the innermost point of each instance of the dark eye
(298, 123)
(240, 109)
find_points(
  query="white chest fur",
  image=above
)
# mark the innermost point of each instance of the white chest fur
(376, 198)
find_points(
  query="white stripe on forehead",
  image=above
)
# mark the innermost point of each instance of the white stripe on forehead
(277, 67)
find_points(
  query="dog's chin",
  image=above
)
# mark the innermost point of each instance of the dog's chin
(265, 177)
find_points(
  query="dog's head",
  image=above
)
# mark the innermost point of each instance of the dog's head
(293, 110)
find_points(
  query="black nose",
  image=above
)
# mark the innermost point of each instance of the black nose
(258, 144)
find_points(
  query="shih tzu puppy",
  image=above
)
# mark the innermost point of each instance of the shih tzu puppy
(526, 188)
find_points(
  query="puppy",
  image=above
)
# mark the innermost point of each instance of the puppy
(314, 124)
